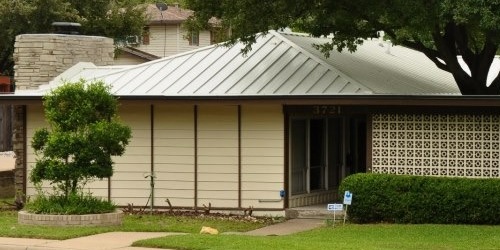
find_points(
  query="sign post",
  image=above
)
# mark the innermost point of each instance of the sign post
(347, 202)
(335, 207)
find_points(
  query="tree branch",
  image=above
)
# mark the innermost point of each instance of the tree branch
(433, 55)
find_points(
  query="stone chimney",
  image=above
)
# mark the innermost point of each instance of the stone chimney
(39, 58)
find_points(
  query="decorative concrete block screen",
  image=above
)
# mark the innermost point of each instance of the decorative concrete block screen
(436, 145)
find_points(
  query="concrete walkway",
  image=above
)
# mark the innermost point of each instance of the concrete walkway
(124, 240)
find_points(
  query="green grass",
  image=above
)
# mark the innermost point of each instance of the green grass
(373, 236)
(143, 223)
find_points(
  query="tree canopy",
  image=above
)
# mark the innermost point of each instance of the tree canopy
(84, 133)
(443, 30)
(111, 18)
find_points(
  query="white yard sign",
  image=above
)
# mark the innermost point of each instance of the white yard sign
(347, 198)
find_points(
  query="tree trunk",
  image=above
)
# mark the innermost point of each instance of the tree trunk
(454, 42)
(472, 86)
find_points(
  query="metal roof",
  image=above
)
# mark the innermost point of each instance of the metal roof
(386, 69)
(278, 65)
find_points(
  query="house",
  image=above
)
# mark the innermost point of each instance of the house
(283, 125)
(163, 36)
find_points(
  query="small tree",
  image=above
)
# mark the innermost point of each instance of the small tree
(84, 134)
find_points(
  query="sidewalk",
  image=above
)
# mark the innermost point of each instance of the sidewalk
(123, 240)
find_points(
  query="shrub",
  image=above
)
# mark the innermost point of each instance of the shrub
(420, 199)
(74, 203)
(84, 133)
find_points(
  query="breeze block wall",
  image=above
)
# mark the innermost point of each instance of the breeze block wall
(455, 145)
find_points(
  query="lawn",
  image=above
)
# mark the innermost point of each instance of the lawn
(372, 236)
(143, 223)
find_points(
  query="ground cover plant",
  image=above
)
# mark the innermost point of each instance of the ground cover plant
(351, 236)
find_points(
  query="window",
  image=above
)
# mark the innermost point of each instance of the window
(194, 38)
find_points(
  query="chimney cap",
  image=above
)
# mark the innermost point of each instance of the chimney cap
(66, 28)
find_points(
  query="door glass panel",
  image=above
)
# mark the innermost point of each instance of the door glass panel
(317, 153)
(335, 155)
(298, 155)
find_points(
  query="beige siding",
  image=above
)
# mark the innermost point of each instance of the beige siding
(125, 58)
(35, 120)
(174, 155)
(262, 156)
(170, 40)
(218, 156)
(128, 184)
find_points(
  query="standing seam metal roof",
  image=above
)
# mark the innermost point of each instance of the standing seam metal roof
(279, 64)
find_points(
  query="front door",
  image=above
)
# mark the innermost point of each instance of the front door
(323, 150)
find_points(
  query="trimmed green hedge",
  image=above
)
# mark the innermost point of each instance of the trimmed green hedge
(420, 199)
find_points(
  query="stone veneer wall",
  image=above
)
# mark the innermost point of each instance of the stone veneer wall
(41, 57)
(38, 59)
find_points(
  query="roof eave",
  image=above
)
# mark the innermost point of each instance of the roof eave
(357, 100)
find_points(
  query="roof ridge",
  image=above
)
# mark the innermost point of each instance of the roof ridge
(314, 57)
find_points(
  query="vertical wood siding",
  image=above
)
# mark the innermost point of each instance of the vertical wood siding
(262, 156)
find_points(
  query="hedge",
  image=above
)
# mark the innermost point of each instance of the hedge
(422, 199)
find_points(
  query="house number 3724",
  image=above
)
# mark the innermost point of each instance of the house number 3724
(325, 110)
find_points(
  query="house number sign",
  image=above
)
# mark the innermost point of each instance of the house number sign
(325, 110)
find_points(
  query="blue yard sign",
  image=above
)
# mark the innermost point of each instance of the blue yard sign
(347, 198)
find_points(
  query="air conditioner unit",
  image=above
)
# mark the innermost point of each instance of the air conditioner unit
(132, 40)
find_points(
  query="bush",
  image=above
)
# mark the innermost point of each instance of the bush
(72, 204)
(420, 199)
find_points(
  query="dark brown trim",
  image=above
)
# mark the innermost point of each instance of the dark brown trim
(195, 113)
(25, 151)
(354, 100)
(109, 189)
(152, 131)
(286, 160)
(239, 156)
(369, 144)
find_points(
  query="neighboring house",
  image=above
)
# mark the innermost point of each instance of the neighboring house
(234, 131)
(163, 36)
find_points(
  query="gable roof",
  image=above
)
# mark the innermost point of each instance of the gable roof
(278, 65)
